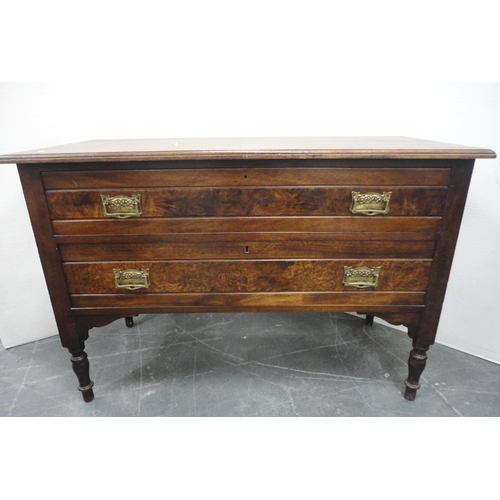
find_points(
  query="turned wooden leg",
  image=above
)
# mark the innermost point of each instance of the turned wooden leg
(80, 365)
(369, 320)
(129, 321)
(416, 365)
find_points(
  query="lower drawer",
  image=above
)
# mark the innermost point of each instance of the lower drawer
(215, 276)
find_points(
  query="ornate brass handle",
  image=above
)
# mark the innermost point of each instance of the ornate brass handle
(132, 279)
(122, 206)
(361, 277)
(370, 203)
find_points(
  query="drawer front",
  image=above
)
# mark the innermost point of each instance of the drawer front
(258, 276)
(252, 176)
(241, 202)
(241, 246)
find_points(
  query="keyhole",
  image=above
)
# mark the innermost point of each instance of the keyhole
(247, 249)
(245, 177)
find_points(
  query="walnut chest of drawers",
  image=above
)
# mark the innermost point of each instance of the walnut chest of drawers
(365, 224)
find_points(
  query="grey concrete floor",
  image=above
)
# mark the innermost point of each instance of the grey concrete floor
(260, 364)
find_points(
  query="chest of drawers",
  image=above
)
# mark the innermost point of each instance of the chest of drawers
(366, 225)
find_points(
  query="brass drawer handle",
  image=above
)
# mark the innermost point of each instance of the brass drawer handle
(121, 206)
(370, 203)
(361, 277)
(132, 279)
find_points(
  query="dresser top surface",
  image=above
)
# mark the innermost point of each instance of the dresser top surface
(247, 148)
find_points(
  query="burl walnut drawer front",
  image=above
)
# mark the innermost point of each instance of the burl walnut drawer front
(248, 276)
(245, 192)
(239, 202)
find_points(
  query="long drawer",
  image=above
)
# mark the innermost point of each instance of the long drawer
(260, 276)
(245, 192)
(241, 202)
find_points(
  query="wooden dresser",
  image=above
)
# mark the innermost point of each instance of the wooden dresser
(364, 224)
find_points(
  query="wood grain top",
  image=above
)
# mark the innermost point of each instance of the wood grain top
(247, 148)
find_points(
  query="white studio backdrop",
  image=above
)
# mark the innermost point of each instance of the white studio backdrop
(37, 115)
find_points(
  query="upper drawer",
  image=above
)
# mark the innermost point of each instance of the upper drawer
(243, 201)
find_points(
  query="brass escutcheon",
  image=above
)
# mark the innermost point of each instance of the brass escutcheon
(121, 206)
(370, 203)
(361, 277)
(132, 279)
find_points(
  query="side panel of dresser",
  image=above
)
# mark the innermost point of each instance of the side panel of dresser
(49, 255)
(72, 335)
(443, 256)
(424, 333)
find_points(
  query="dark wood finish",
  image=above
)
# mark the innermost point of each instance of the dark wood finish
(247, 225)
(244, 301)
(445, 250)
(249, 245)
(80, 365)
(254, 176)
(248, 149)
(49, 256)
(246, 275)
(416, 365)
(306, 224)
(129, 321)
(241, 202)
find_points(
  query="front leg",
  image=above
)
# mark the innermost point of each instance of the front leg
(416, 365)
(80, 363)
